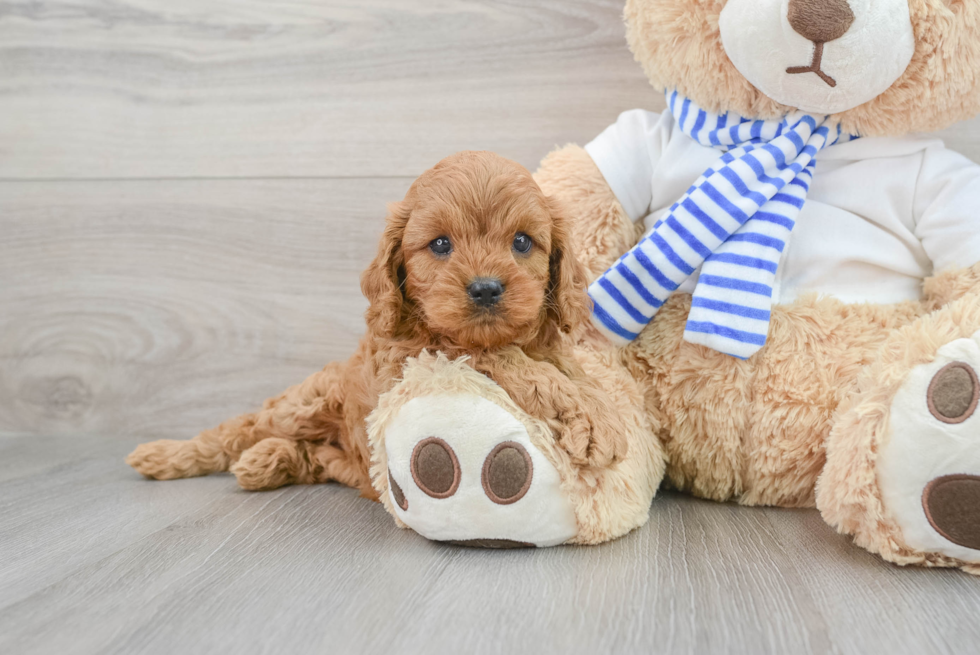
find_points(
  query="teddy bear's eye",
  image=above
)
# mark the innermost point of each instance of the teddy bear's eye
(441, 246)
(522, 243)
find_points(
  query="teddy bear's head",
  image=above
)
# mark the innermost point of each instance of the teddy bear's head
(883, 67)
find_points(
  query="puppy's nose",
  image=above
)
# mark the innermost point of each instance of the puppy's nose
(821, 21)
(485, 291)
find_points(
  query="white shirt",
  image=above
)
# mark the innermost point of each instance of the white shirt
(882, 214)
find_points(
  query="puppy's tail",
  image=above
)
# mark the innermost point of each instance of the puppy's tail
(209, 452)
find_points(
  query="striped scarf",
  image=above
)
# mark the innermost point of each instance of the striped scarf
(734, 222)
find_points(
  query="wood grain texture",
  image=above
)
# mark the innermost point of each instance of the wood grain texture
(160, 308)
(94, 559)
(282, 88)
(257, 88)
(188, 192)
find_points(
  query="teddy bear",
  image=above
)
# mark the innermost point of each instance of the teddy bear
(785, 287)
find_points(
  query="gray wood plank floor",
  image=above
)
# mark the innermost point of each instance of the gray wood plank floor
(188, 192)
(94, 559)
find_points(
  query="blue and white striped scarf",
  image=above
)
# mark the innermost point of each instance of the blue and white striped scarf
(734, 222)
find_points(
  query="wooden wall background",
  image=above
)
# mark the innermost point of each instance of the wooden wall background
(189, 189)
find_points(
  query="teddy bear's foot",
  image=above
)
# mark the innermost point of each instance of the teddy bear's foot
(903, 459)
(461, 469)
(456, 460)
(929, 470)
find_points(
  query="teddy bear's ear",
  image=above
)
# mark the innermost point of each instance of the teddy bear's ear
(568, 304)
(382, 282)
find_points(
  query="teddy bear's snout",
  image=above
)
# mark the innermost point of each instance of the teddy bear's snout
(819, 56)
(821, 21)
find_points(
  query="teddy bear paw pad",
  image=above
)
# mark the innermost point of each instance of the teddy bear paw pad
(463, 470)
(929, 467)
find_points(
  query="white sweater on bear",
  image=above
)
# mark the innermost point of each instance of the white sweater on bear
(882, 214)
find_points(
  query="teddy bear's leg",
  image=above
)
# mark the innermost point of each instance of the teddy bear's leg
(455, 459)
(456, 466)
(903, 459)
(601, 229)
(942, 289)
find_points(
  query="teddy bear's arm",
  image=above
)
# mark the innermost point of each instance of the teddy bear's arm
(628, 152)
(601, 229)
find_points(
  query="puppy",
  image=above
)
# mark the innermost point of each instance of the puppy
(474, 261)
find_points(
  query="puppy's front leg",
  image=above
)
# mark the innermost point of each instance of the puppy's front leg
(575, 407)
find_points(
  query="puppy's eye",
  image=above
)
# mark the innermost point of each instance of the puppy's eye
(522, 243)
(441, 246)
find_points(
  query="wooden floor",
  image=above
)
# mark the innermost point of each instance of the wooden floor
(189, 190)
(94, 559)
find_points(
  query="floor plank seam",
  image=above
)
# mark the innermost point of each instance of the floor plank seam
(205, 178)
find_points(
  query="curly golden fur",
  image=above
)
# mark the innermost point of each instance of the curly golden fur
(478, 202)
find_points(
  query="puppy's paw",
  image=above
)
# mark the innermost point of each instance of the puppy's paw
(591, 447)
(166, 460)
(269, 464)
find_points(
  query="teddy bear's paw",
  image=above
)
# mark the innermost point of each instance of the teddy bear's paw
(462, 469)
(929, 467)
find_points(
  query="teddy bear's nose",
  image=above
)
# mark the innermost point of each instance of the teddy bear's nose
(821, 21)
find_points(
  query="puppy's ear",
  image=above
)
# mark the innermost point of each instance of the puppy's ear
(382, 282)
(568, 304)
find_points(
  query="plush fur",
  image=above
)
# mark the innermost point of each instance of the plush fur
(809, 407)
(799, 424)
(848, 493)
(607, 500)
(315, 431)
(678, 43)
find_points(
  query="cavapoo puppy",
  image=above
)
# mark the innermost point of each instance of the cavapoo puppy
(474, 261)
